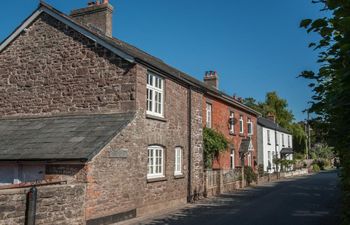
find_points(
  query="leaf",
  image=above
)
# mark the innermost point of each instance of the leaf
(305, 23)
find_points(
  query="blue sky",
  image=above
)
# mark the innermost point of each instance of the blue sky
(255, 46)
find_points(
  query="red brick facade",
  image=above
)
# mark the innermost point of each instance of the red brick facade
(221, 111)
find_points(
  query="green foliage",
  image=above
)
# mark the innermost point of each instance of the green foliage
(261, 170)
(277, 106)
(250, 175)
(214, 143)
(315, 168)
(331, 84)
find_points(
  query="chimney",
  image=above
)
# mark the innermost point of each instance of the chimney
(97, 16)
(271, 117)
(211, 78)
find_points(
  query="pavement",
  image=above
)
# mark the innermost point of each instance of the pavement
(310, 200)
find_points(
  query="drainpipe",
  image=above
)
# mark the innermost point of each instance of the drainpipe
(189, 117)
(31, 206)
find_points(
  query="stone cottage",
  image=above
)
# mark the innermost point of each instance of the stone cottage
(81, 107)
(236, 121)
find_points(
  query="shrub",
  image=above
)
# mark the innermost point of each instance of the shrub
(249, 175)
(214, 143)
(315, 168)
(261, 170)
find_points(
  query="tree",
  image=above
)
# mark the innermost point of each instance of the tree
(331, 83)
(284, 117)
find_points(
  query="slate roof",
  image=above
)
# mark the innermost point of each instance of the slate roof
(287, 151)
(59, 138)
(244, 147)
(271, 125)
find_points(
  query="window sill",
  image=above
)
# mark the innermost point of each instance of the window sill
(156, 179)
(233, 134)
(162, 119)
(179, 176)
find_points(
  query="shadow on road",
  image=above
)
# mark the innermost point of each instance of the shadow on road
(306, 200)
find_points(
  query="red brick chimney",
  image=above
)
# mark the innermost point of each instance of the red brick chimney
(211, 78)
(97, 16)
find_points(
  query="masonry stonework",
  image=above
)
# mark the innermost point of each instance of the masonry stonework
(117, 185)
(51, 69)
(59, 204)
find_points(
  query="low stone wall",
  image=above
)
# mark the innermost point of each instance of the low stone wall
(56, 204)
(295, 173)
(217, 182)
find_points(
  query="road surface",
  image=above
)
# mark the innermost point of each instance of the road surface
(310, 200)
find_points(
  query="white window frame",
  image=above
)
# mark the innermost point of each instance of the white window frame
(232, 157)
(289, 141)
(250, 125)
(241, 124)
(155, 169)
(232, 122)
(268, 137)
(155, 95)
(178, 161)
(209, 110)
(250, 159)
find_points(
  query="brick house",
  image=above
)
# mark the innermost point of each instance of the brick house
(79, 106)
(237, 122)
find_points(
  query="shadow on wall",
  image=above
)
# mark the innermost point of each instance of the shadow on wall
(308, 200)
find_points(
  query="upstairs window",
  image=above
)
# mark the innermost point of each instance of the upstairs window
(209, 114)
(241, 127)
(250, 127)
(282, 140)
(155, 95)
(178, 161)
(268, 137)
(155, 162)
(288, 141)
(232, 122)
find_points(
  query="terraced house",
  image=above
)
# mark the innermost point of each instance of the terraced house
(237, 122)
(105, 131)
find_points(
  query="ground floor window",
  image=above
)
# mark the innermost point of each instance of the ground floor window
(155, 162)
(178, 161)
(19, 173)
(232, 157)
(250, 159)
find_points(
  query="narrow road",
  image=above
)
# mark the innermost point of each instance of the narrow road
(310, 200)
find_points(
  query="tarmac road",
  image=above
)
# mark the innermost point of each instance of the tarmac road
(309, 200)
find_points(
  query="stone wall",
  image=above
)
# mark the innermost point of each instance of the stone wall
(52, 69)
(117, 185)
(58, 204)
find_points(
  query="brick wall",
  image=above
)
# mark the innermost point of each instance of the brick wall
(61, 204)
(51, 69)
(220, 122)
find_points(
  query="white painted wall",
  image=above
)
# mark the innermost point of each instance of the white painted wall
(275, 146)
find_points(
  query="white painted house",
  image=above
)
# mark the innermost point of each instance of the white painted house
(273, 141)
